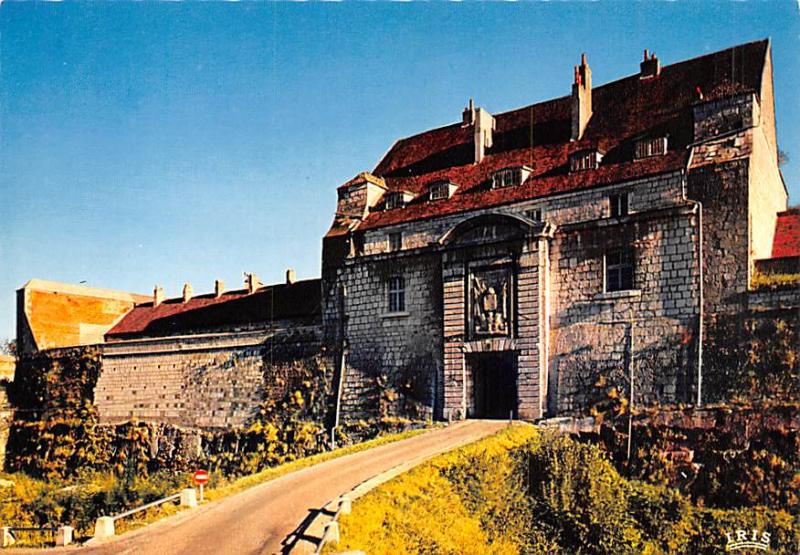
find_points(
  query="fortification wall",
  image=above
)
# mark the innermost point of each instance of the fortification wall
(210, 381)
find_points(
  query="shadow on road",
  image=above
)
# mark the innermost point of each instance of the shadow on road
(299, 534)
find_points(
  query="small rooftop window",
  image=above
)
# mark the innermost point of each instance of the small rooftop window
(441, 190)
(397, 199)
(510, 177)
(653, 146)
(584, 160)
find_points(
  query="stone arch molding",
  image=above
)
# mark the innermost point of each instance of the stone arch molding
(491, 227)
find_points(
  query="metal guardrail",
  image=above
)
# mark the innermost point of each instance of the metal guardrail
(155, 503)
(104, 526)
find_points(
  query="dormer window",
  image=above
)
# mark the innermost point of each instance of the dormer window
(394, 200)
(397, 199)
(439, 190)
(654, 146)
(584, 160)
(510, 177)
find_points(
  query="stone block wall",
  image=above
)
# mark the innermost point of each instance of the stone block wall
(591, 329)
(722, 189)
(725, 115)
(397, 348)
(770, 299)
(210, 381)
(652, 193)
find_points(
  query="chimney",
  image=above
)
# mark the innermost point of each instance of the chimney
(251, 282)
(187, 292)
(219, 288)
(483, 127)
(158, 295)
(650, 67)
(581, 99)
(468, 115)
(291, 277)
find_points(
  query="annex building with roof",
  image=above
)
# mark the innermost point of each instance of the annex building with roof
(507, 264)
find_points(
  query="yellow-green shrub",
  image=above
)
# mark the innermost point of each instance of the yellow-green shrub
(458, 503)
(523, 491)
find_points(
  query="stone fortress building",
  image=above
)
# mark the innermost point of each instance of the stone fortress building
(502, 265)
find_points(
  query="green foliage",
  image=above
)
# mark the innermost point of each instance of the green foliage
(461, 502)
(775, 281)
(740, 456)
(526, 492)
(579, 497)
(80, 501)
(661, 514)
(751, 358)
(54, 429)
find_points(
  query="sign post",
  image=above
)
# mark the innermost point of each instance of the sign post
(201, 478)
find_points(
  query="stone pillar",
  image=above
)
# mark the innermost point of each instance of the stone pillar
(454, 298)
(189, 498)
(332, 532)
(8, 537)
(64, 535)
(104, 527)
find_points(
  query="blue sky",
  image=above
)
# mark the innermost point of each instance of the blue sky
(145, 143)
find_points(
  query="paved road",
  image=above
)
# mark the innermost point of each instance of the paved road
(259, 519)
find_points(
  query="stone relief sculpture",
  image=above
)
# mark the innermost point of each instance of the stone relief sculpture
(489, 301)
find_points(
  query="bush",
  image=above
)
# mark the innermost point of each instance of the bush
(461, 502)
(524, 492)
(578, 496)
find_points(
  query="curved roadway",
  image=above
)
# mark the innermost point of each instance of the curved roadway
(260, 519)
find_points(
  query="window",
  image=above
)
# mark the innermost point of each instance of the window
(397, 294)
(440, 190)
(395, 241)
(584, 160)
(394, 200)
(536, 214)
(619, 270)
(507, 178)
(656, 146)
(618, 205)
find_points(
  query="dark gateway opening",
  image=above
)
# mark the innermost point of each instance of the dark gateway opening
(494, 384)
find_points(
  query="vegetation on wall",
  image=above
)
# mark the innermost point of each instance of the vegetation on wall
(523, 491)
(70, 469)
(751, 357)
(721, 456)
(761, 281)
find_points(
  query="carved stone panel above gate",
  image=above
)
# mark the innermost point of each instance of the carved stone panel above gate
(489, 297)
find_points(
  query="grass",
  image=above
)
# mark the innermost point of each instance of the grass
(421, 511)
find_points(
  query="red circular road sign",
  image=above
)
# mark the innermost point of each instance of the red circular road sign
(201, 476)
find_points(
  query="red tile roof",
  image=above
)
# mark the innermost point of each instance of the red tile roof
(539, 136)
(787, 234)
(297, 301)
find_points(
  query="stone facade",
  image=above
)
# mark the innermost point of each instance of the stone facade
(518, 290)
